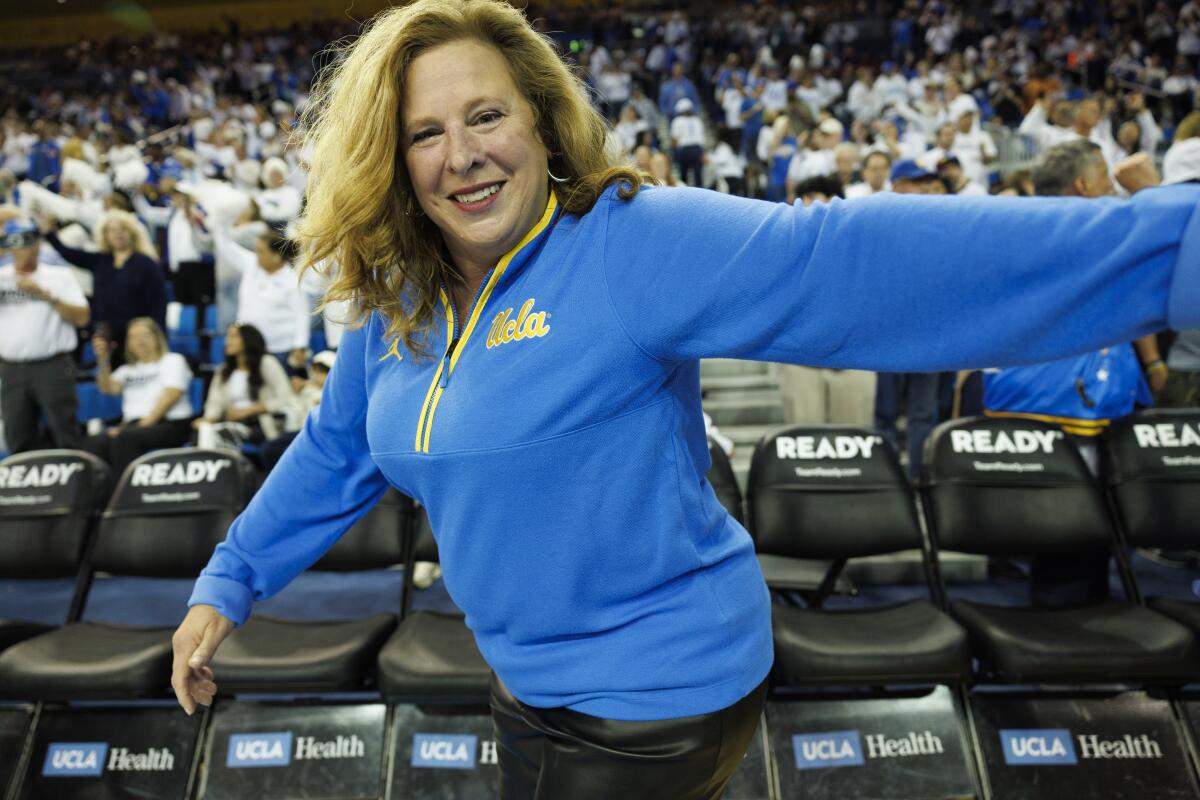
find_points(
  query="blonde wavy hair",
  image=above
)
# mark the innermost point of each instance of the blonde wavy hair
(362, 222)
(137, 232)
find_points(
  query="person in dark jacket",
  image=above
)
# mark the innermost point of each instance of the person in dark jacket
(129, 281)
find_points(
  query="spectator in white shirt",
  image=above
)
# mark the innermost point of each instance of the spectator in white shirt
(845, 162)
(630, 128)
(613, 86)
(279, 203)
(728, 164)
(819, 161)
(974, 147)
(943, 147)
(957, 102)
(250, 398)
(951, 171)
(153, 384)
(269, 296)
(40, 308)
(875, 170)
(687, 142)
(891, 87)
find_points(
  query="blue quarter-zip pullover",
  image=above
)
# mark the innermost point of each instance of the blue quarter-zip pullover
(559, 447)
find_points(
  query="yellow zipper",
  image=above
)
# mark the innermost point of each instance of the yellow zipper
(429, 407)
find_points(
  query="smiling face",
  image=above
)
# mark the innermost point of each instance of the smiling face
(476, 163)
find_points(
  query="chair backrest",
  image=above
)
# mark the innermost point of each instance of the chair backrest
(1011, 487)
(1154, 475)
(170, 509)
(829, 492)
(375, 541)
(724, 482)
(48, 500)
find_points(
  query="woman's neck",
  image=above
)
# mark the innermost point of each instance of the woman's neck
(121, 256)
(241, 362)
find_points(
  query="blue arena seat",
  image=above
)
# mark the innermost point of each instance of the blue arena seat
(216, 350)
(94, 404)
(196, 395)
(210, 317)
(182, 332)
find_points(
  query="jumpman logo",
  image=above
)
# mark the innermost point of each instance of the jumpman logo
(395, 351)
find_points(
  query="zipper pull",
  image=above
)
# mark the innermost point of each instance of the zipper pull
(445, 381)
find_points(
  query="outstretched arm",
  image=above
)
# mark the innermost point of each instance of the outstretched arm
(900, 283)
(325, 481)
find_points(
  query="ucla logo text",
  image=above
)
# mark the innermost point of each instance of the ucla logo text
(1037, 746)
(446, 751)
(75, 759)
(832, 749)
(527, 325)
(259, 750)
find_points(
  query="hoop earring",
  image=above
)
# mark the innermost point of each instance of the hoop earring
(555, 178)
(408, 209)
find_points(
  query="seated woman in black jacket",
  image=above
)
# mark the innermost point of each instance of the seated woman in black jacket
(129, 281)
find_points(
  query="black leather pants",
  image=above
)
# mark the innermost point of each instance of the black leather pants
(560, 754)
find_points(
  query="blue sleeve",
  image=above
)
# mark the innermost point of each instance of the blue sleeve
(897, 282)
(325, 481)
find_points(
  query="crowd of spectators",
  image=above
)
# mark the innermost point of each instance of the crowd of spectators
(165, 166)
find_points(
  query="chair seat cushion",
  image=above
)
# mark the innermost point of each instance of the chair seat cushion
(15, 630)
(908, 643)
(276, 655)
(1182, 611)
(1101, 642)
(88, 661)
(432, 657)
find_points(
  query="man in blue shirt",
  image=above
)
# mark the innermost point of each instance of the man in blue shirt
(676, 88)
(45, 156)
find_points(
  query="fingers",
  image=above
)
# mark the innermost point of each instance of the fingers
(181, 679)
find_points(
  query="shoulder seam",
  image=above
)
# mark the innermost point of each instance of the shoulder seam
(608, 295)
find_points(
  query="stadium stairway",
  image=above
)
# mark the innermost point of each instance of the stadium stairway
(743, 399)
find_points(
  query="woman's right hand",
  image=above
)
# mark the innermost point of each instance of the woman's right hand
(195, 642)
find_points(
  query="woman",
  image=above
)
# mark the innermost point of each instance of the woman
(660, 169)
(129, 281)
(247, 392)
(153, 384)
(269, 293)
(528, 369)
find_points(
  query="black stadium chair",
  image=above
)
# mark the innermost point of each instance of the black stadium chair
(267, 654)
(1154, 476)
(1018, 489)
(835, 507)
(49, 500)
(167, 513)
(432, 657)
(724, 482)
